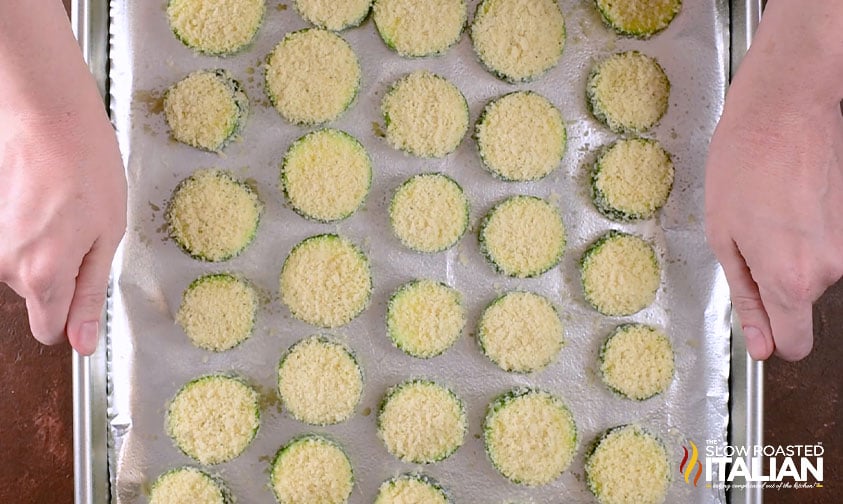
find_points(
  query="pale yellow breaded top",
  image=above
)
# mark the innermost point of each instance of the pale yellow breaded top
(520, 332)
(523, 236)
(410, 489)
(425, 115)
(335, 15)
(213, 418)
(217, 312)
(639, 18)
(216, 26)
(213, 216)
(420, 27)
(629, 465)
(326, 175)
(424, 318)
(319, 381)
(521, 136)
(325, 281)
(637, 361)
(518, 39)
(186, 485)
(312, 470)
(531, 438)
(429, 212)
(312, 76)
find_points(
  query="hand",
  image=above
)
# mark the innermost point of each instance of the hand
(62, 215)
(774, 199)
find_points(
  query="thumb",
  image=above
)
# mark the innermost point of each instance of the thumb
(83, 320)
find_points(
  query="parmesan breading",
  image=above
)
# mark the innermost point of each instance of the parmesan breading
(326, 175)
(628, 465)
(521, 136)
(411, 489)
(424, 318)
(311, 469)
(638, 18)
(422, 422)
(319, 381)
(518, 40)
(416, 28)
(520, 332)
(216, 27)
(632, 179)
(188, 485)
(530, 436)
(325, 281)
(523, 236)
(312, 76)
(213, 418)
(206, 109)
(628, 92)
(212, 216)
(217, 311)
(425, 115)
(637, 361)
(620, 274)
(429, 212)
(333, 15)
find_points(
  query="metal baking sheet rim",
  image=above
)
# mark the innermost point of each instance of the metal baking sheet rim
(90, 20)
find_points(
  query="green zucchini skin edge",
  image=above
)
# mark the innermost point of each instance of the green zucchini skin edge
(354, 23)
(602, 354)
(388, 42)
(423, 478)
(245, 47)
(302, 438)
(224, 491)
(396, 341)
(641, 35)
(226, 276)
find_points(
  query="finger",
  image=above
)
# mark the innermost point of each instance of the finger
(89, 298)
(48, 307)
(793, 326)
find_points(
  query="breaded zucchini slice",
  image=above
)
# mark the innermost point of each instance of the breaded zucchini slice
(311, 468)
(631, 179)
(638, 18)
(636, 361)
(334, 15)
(320, 381)
(414, 28)
(620, 274)
(530, 436)
(412, 488)
(326, 281)
(425, 115)
(189, 485)
(312, 76)
(521, 136)
(421, 421)
(213, 418)
(429, 212)
(218, 311)
(216, 27)
(628, 92)
(424, 318)
(326, 175)
(212, 216)
(520, 332)
(523, 236)
(628, 464)
(207, 109)
(518, 40)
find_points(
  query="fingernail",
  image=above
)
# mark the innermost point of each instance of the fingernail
(756, 344)
(88, 336)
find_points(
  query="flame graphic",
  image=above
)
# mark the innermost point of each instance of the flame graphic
(686, 470)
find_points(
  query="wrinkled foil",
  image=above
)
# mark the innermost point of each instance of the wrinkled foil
(150, 357)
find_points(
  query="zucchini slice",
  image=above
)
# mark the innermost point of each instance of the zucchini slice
(320, 381)
(424, 318)
(422, 422)
(216, 28)
(425, 115)
(415, 28)
(518, 40)
(312, 76)
(331, 15)
(218, 311)
(429, 212)
(637, 362)
(620, 274)
(523, 236)
(311, 468)
(212, 216)
(189, 485)
(530, 436)
(412, 488)
(638, 18)
(213, 418)
(326, 175)
(326, 281)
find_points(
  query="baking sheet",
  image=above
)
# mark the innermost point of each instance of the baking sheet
(151, 358)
